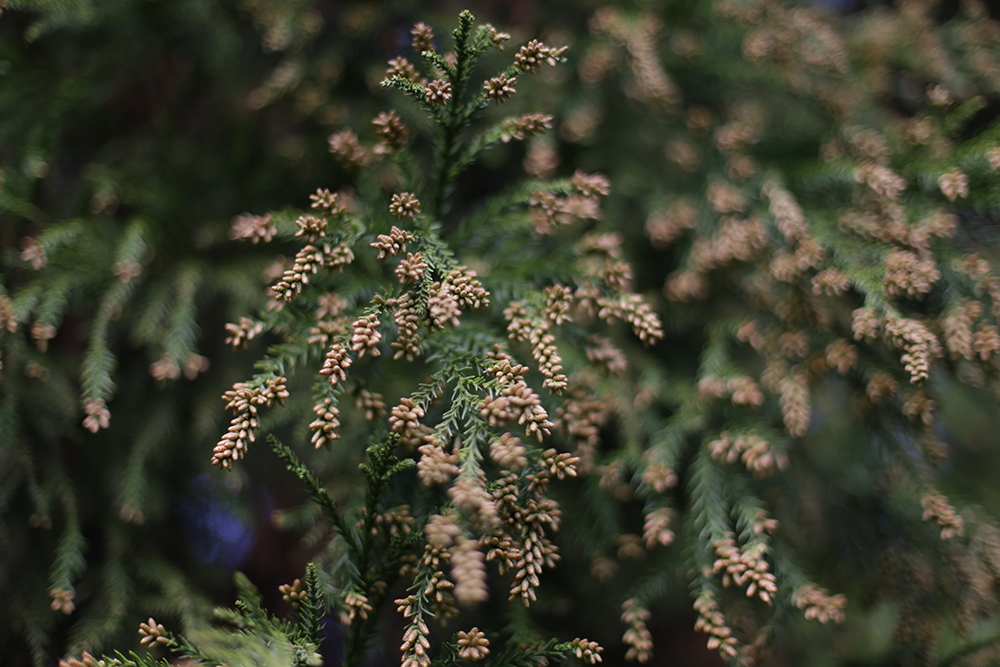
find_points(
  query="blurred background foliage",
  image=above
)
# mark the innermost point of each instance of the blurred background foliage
(132, 133)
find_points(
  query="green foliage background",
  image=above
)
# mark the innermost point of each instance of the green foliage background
(132, 133)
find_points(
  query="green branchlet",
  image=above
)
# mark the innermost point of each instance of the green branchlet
(313, 610)
(316, 488)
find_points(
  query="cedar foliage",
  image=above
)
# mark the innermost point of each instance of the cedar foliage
(815, 195)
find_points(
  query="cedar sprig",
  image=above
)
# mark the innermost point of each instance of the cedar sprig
(313, 609)
(316, 489)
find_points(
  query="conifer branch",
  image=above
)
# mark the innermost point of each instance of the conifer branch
(69, 560)
(312, 613)
(316, 490)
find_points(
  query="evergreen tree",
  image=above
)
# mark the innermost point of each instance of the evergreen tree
(802, 193)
